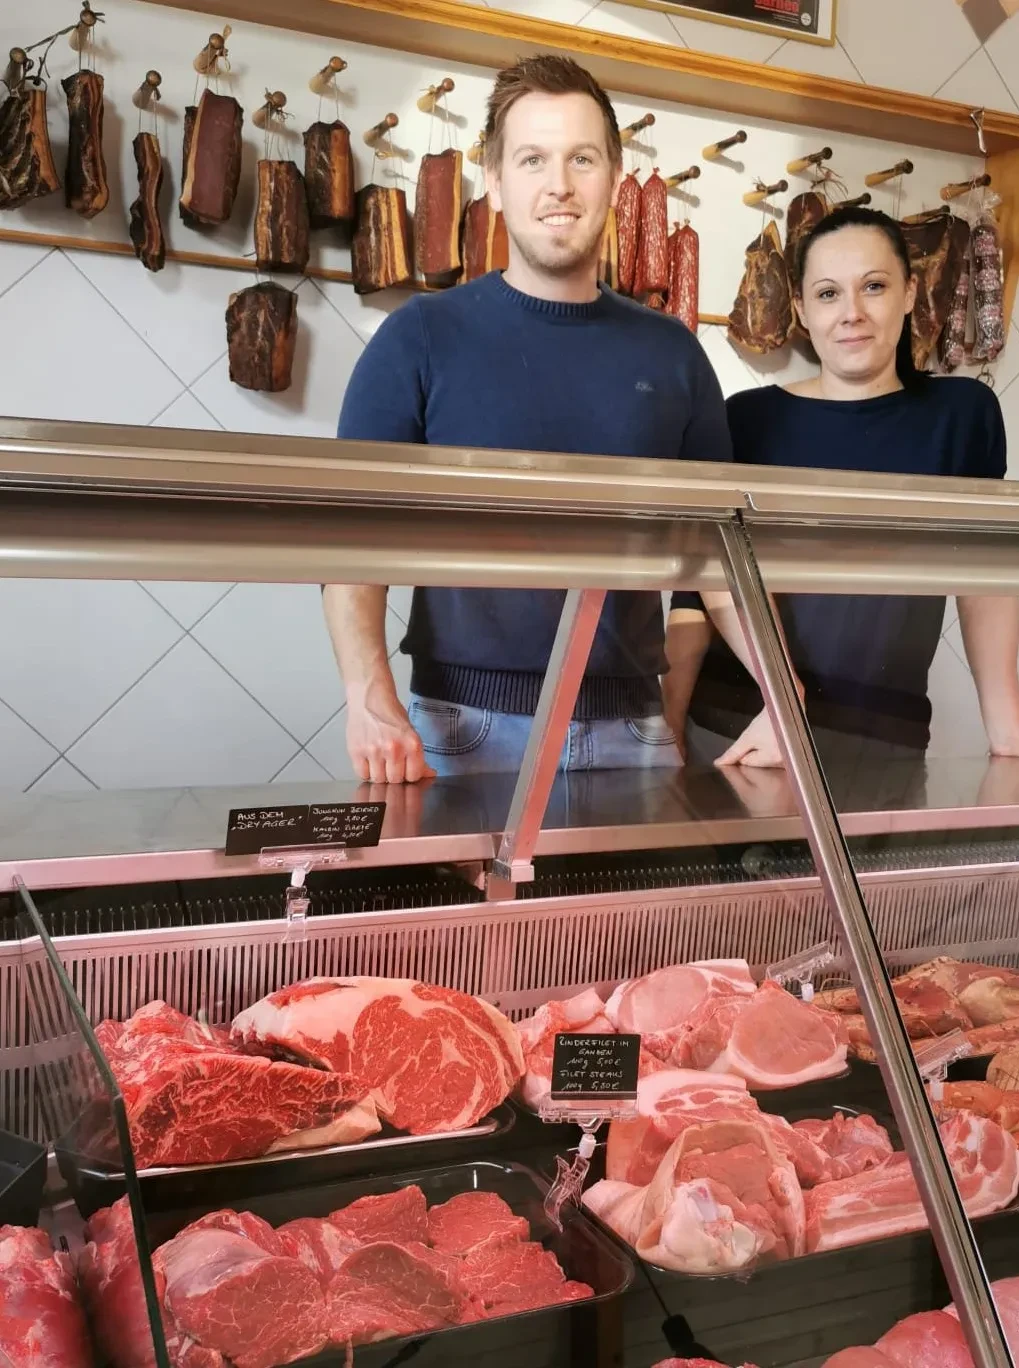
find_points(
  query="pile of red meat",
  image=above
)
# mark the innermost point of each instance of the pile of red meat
(236, 1293)
(933, 1339)
(323, 1062)
(42, 1324)
(710, 1016)
(702, 1181)
(981, 1000)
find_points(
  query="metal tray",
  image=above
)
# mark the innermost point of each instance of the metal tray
(94, 1184)
(555, 1337)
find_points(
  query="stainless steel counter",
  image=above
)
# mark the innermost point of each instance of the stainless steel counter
(156, 834)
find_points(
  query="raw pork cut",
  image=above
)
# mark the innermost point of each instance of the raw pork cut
(771, 1039)
(432, 1059)
(583, 1015)
(194, 1098)
(472, 1219)
(927, 1340)
(886, 1201)
(852, 1144)
(42, 1324)
(658, 1006)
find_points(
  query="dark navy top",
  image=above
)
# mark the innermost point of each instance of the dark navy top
(483, 365)
(863, 659)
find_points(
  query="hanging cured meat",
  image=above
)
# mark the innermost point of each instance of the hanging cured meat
(628, 215)
(608, 263)
(146, 228)
(485, 244)
(85, 186)
(762, 316)
(437, 213)
(988, 296)
(261, 333)
(281, 218)
(684, 276)
(953, 337)
(381, 254)
(212, 158)
(26, 159)
(329, 176)
(653, 248)
(805, 212)
(937, 266)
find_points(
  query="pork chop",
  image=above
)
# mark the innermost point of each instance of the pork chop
(658, 1006)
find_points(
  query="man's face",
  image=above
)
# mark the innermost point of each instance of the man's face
(556, 182)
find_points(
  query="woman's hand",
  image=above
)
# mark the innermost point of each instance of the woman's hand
(757, 748)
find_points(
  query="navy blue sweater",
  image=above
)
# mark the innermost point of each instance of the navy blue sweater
(864, 659)
(483, 365)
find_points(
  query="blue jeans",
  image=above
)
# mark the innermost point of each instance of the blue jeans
(460, 740)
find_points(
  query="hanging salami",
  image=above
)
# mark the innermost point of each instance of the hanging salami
(608, 262)
(988, 290)
(437, 213)
(381, 254)
(146, 228)
(281, 218)
(485, 243)
(27, 169)
(653, 247)
(212, 158)
(761, 320)
(628, 216)
(86, 190)
(261, 332)
(684, 275)
(329, 176)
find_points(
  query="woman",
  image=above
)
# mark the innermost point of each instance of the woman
(863, 660)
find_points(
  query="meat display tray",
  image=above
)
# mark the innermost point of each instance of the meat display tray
(22, 1179)
(556, 1337)
(95, 1185)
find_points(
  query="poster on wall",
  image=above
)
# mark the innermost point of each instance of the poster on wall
(810, 20)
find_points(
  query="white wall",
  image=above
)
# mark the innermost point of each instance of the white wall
(118, 685)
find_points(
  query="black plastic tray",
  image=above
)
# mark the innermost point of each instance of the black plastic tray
(556, 1337)
(22, 1179)
(94, 1185)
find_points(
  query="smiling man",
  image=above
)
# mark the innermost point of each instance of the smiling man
(538, 358)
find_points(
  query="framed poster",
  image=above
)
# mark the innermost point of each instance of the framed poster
(812, 21)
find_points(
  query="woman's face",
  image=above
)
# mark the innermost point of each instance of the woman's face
(855, 297)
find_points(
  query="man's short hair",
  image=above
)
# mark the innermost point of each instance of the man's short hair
(545, 75)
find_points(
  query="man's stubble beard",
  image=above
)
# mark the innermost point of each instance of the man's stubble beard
(559, 263)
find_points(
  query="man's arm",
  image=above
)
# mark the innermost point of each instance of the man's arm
(384, 402)
(382, 744)
(687, 636)
(990, 634)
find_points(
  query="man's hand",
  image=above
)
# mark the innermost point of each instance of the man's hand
(383, 746)
(757, 748)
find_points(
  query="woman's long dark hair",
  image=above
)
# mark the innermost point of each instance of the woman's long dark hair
(858, 217)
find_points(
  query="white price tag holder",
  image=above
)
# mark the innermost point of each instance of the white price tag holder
(935, 1057)
(802, 969)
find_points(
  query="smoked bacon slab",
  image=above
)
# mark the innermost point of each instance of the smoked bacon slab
(146, 228)
(26, 158)
(281, 218)
(329, 176)
(485, 243)
(381, 254)
(212, 158)
(438, 209)
(261, 334)
(86, 189)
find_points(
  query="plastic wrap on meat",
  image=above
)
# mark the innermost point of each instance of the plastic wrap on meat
(683, 300)
(381, 254)
(761, 320)
(438, 208)
(988, 291)
(628, 225)
(953, 338)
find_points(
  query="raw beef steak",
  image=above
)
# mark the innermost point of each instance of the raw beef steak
(111, 1280)
(771, 1039)
(193, 1098)
(42, 1324)
(432, 1059)
(471, 1219)
(385, 1289)
(398, 1216)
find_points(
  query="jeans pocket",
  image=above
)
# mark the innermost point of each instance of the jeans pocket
(651, 731)
(448, 728)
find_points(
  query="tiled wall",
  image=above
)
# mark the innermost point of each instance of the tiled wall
(125, 684)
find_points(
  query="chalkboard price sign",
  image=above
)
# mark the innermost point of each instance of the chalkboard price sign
(589, 1067)
(346, 825)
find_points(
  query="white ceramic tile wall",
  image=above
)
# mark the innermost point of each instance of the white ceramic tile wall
(112, 685)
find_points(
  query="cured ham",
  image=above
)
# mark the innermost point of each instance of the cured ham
(761, 320)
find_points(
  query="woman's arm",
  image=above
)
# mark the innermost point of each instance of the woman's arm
(990, 634)
(687, 635)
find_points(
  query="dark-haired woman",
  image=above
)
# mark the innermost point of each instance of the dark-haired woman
(863, 661)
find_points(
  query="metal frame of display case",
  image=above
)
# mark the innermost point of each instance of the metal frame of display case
(122, 503)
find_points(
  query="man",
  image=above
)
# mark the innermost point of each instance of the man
(537, 359)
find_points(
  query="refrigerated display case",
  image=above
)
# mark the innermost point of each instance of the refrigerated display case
(525, 888)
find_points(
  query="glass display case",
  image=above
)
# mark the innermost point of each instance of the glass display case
(818, 958)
